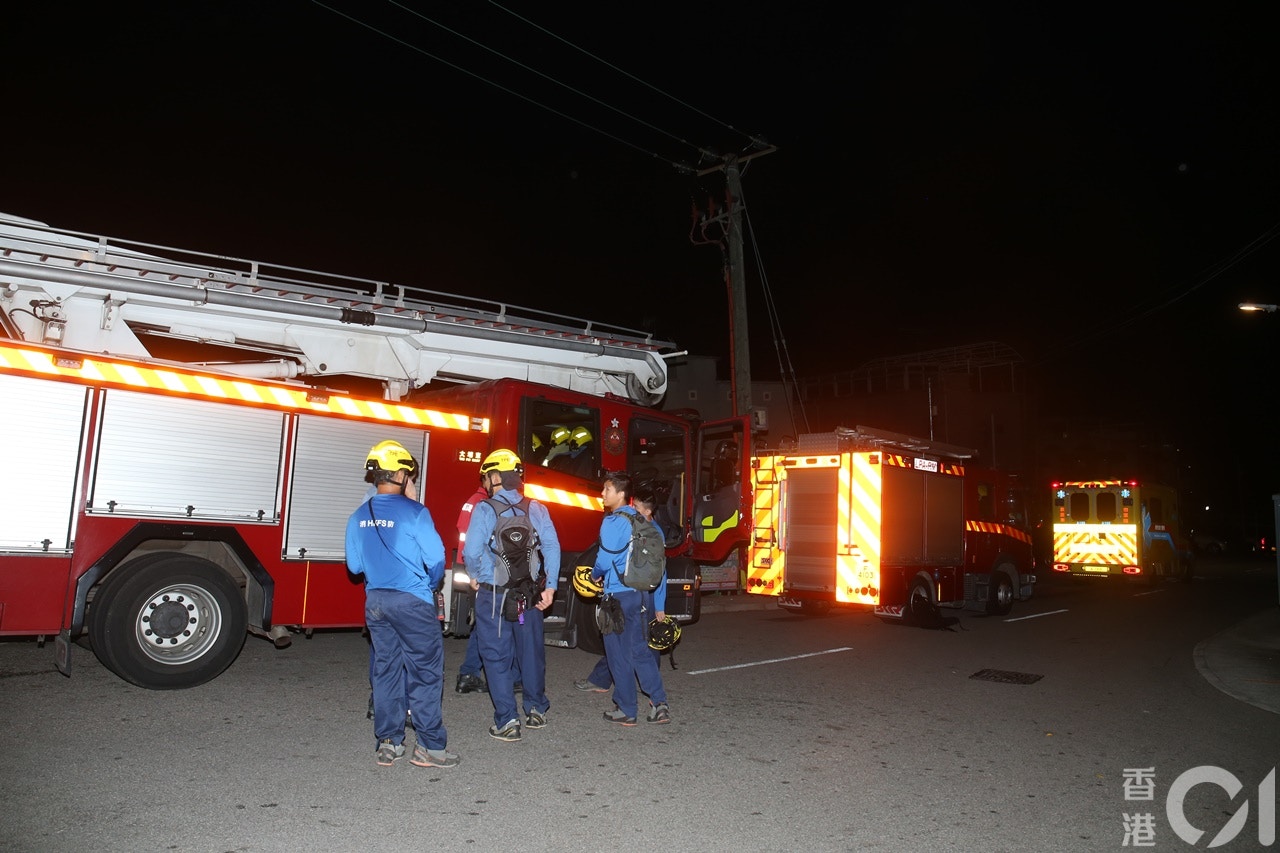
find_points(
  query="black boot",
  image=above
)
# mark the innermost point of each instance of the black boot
(468, 683)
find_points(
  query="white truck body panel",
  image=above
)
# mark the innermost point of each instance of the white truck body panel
(40, 437)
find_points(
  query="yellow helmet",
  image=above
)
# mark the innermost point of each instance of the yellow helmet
(387, 457)
(502, 460)
(585, 585)
(579, 437)
(560, 435)
(663, 635)
(537, 443)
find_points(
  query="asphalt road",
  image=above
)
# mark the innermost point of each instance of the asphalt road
(837, 733)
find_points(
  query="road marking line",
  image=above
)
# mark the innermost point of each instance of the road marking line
(773, 660)
(1035, 615)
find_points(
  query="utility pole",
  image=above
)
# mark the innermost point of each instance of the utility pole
(735, 284)
(735, 279)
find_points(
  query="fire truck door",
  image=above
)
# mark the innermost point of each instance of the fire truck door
(719, 518)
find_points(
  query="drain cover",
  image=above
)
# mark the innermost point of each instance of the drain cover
(1004, 676)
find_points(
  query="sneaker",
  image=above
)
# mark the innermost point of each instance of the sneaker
(590, 686)
(388, 752)
(423, 757)
(659, 713)
(509, 732)
(471, 683)
(535, 720)
(616, 716)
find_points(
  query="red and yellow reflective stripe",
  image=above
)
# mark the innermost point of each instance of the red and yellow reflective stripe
(858, 539)
(563, 497)
(993, 527)
(897, 460)
(169, 380)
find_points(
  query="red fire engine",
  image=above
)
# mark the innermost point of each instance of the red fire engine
(864, 516)
(164, 507)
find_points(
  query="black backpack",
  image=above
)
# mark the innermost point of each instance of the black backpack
(515, 545)
(646, 554)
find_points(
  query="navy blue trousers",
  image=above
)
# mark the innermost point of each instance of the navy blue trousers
(631, 659)
(408, 666)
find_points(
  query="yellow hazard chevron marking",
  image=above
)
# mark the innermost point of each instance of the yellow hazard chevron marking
(121, 374)
(1099, 544)
(858, 539)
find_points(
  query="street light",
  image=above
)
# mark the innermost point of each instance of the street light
(1275, 499)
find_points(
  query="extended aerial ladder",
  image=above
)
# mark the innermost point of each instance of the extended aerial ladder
(107, 295)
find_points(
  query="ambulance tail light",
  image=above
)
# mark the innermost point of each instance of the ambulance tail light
(1061, 567)
(1132, 570)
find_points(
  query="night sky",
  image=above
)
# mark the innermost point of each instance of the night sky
(1095, 187)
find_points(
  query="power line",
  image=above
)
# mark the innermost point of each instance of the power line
(500, 87)
(753, 139)
(780, 342)
(549, 78)
(785, 366)
(1208, 276)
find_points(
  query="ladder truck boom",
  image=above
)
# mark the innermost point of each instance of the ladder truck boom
(106, 295)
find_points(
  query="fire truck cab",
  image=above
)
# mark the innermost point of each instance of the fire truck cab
(662, 451)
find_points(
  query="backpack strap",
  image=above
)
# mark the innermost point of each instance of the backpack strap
(499, 506)
(622, 550)
(631, 518)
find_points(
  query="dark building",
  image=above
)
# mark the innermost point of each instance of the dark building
(973, 396)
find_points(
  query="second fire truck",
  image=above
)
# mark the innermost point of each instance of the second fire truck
(898, 524)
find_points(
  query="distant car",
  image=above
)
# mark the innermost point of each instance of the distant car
(1207, 543)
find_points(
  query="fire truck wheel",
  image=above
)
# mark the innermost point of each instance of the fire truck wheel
(167, 621)
(1000, 593)
(920, 609)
